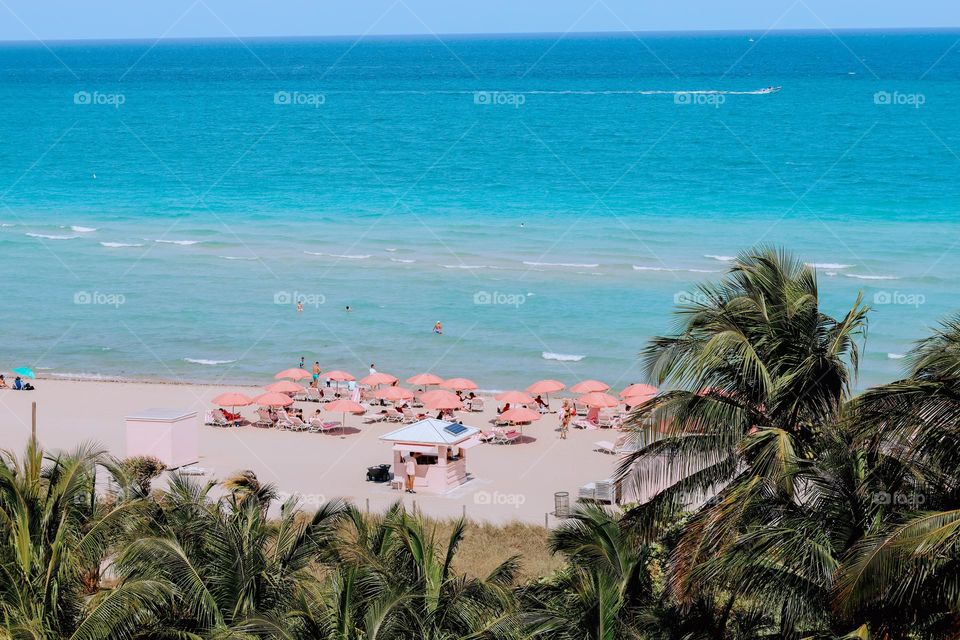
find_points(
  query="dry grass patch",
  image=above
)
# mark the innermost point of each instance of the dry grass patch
(486, 545)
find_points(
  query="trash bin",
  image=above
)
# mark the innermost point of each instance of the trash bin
(561, 504)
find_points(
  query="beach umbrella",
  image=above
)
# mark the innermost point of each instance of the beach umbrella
(24, 372)
(424, 379)
(546, 387)
(638, 393)
(589, 386)
(515, 397)
(232, 399)
(273, 399)
(598, 399)
(285, 386)
(519, 415)
(378, 378)
(440, 399)
(293, 374)
(459, 384)
(339, 376)
(393, 394)
(344, 406)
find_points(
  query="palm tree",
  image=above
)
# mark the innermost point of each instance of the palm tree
(56, 534)
(759, 378)
(228, 569)
(910, 561)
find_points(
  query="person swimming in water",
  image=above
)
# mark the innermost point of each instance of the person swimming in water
(438, 328)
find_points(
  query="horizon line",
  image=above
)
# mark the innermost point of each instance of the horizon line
(503, 34)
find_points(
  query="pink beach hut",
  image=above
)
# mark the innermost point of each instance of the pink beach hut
(440, 450)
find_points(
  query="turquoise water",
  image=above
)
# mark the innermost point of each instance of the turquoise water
(163, 204)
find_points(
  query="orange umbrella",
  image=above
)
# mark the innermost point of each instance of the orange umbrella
(519, 414)
(293, 374)
(393, 394)
(273, 399)
(232, 399)
(638, 393)
(285, 386)
(340, 376)
(459, 384)
(598, 399)
(378, 378)
(546, 386)
(424, 379)
(589, 386)
(440, 399)
(344, 406)
(514, 397)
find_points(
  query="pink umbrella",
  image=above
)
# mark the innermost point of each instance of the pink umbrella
(273, 399)
(546, 386)
(285, 386)
(344, 406)
(393, 394)
(514, 397)
(598, 399)
(638, 393)
(519, 415)
(341, 376)
(232, 399)
(459, 384)
(378, 378)
(425, 379)
(589, 386)
(440, 399)
(293, 374)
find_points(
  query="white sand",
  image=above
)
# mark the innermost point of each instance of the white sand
(509, 482)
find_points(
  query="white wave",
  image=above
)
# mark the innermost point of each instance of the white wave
(94, 377)
(207, 362)
(579, 265)
(720, 258)
(116, 245)
(896, 356)
(402, 260)
(49, 237)
(828, 265)
(183, 243)
(391, 249)
(239, 257)
(470, 266)
(608, 92)
(337, 255)
(7, 224)
(562, 357)
(861, 277)
(640, 268)
(80, 229)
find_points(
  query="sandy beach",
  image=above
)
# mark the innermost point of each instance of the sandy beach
(508, 482)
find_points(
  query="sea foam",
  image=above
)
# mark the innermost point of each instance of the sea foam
(562, 357)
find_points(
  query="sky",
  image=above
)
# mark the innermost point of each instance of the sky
(153, 19)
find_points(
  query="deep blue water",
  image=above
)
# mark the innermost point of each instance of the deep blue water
(582, 188)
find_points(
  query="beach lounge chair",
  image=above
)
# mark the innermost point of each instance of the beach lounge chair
(620, 446)
(502, 436)
(283, 421)
(599, 491)
(393, 415)
(582, 409)
(313, 394)
(476, 404)
(296, 424)
(317, 425)
(409, 415)
(264, 419)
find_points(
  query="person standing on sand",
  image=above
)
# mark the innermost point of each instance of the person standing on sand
(316, 374)
(566, 415)
(411, 472)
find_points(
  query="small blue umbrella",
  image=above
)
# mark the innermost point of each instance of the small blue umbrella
(25, 372)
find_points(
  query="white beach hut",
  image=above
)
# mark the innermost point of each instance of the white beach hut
(440, 448)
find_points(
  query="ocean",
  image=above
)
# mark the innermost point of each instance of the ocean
(548, 198)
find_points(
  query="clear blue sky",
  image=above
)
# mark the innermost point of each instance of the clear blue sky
(71, 19)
